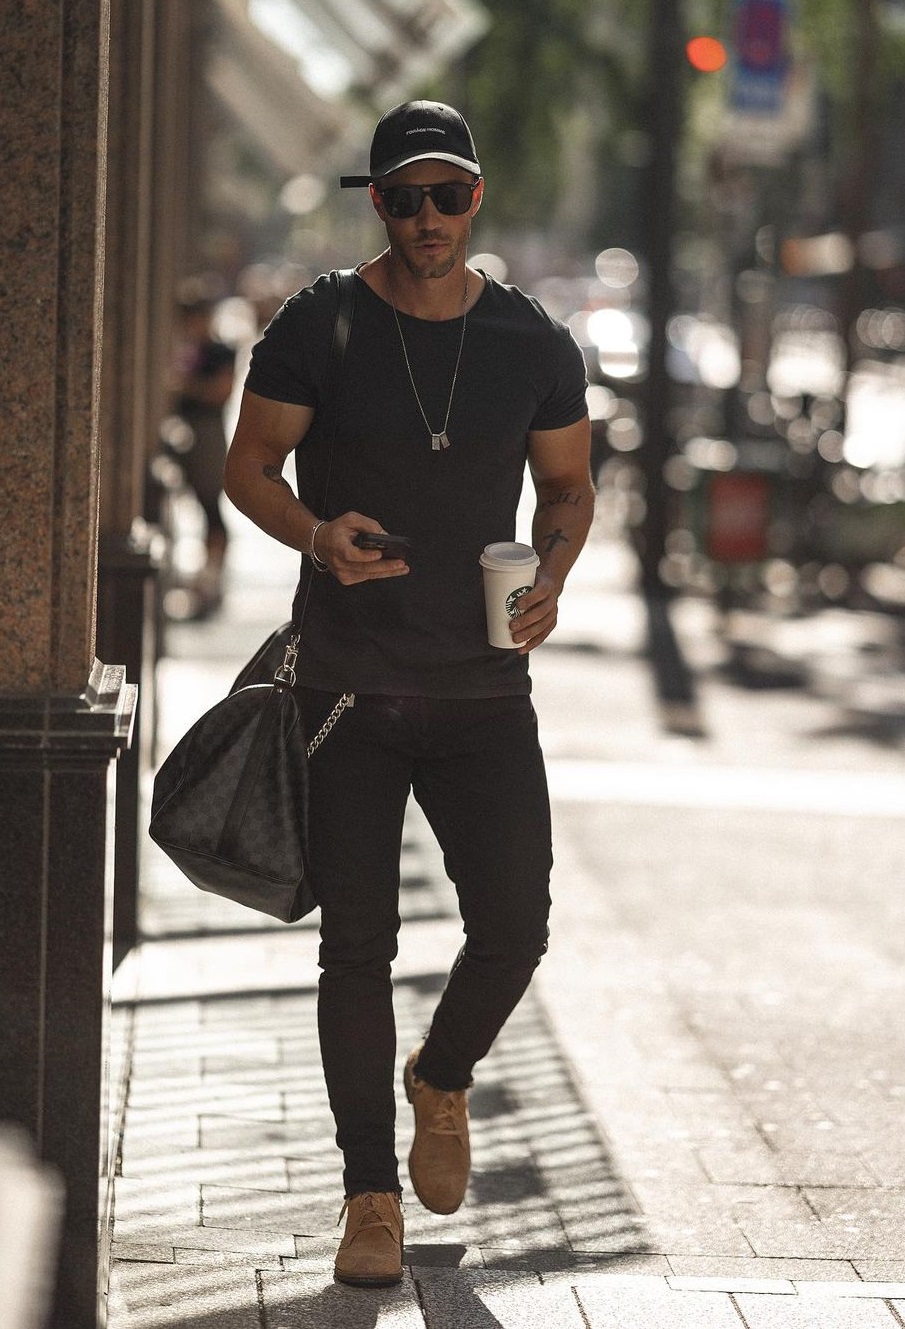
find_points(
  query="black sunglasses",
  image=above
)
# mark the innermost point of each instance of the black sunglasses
(451, 198)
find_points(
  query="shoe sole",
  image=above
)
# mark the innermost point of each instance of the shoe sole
(384, 1280)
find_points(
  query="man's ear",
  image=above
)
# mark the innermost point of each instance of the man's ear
(477, 197)
(377, 201)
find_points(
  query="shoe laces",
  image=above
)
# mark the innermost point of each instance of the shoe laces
(370, 1215)
(448, 1116)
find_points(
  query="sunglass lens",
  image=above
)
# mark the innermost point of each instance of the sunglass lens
(403, 200)
(451, 199)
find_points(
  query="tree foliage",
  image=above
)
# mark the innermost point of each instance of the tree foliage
(542, 63)
(538, 64)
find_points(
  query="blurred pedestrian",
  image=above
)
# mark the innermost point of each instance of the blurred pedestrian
(204, 373)
(452, 381)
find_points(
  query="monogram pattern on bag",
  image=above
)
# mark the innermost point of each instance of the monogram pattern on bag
(195, 789)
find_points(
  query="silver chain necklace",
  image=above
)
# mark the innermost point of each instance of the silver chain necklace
(438, 440)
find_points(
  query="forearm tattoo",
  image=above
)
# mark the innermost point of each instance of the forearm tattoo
(568, 497)
(554, 538)
(276, 475)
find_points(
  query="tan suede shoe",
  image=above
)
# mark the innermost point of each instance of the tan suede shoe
(440, 1159)
(370, 1253)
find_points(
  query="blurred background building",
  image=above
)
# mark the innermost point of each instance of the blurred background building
(710, 192)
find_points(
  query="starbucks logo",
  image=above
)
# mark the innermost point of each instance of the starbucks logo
(511, 607)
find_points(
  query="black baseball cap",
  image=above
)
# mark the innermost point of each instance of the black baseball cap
(414, 132)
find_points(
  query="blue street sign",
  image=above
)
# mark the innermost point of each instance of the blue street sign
(760, 62)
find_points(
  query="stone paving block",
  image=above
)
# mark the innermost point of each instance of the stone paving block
(701, 1200)
(865, 1112)
(880, 1271)
(257, 1244)
(693, 1072)
(199, 1095)
(171, 1061)
(250, 1058)
(806, 1239)
(281, 1076)
(821, 1135)
(153, 1228)
(887, 1163)
(233, 1259)
(676, 1164)
(175, 1020)
(452, 1255)
(806, 1168)
(234, 1167)
(303, 1214)
(762, 1312)
(254, 1012)
(495, 1300)
(649, 1303)
(777, 1222)
(147, 1091)
(873, 1205)
(497, 1259)
(693, 1238)
(315, 1301)
(759, 1165)
(311, 1263)
(722, 1283)
(310, 1130)
(623, 1262)
(151, 1200)
(535, 1225)
(711, 1107)
(268, 1138)
(150, 1136)
(775, 1103)
(708, 1266)
(740, 1164)
(135, 1250)
(858, 1291)
(165, 1296)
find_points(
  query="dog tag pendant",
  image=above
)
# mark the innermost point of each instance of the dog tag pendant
(439, 441)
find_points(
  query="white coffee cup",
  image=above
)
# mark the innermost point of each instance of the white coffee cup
(509, 571)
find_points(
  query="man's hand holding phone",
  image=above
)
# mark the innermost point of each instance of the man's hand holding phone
(390, 546)
(355, 549)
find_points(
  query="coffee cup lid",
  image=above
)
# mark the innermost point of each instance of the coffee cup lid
(505, 554)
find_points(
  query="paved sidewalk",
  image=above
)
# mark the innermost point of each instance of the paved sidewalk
(693, 1119)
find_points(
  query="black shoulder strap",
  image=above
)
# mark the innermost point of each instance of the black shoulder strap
(344, 281)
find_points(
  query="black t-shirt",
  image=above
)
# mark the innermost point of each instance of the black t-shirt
(423, 634)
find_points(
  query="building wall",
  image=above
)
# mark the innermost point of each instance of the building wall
(92, 164)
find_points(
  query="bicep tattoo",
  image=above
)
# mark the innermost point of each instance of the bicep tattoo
(276, 475)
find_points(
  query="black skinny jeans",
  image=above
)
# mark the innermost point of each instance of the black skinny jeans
(476, 769)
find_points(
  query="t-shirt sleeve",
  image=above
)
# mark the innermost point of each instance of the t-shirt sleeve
(567, 381)
(284, 362)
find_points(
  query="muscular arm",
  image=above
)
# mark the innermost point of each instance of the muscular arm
(267, 431)
(559, 460)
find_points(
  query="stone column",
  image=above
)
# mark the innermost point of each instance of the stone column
(64, 717)
(132, 393)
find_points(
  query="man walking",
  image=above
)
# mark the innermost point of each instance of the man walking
(451, 382)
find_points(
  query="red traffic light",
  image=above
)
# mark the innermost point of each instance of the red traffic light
(706, 54)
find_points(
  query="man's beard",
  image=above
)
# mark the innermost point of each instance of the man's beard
(433, 267)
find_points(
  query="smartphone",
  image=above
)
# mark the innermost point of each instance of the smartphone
(390, 546)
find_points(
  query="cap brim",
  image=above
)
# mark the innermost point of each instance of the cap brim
(397, 163)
